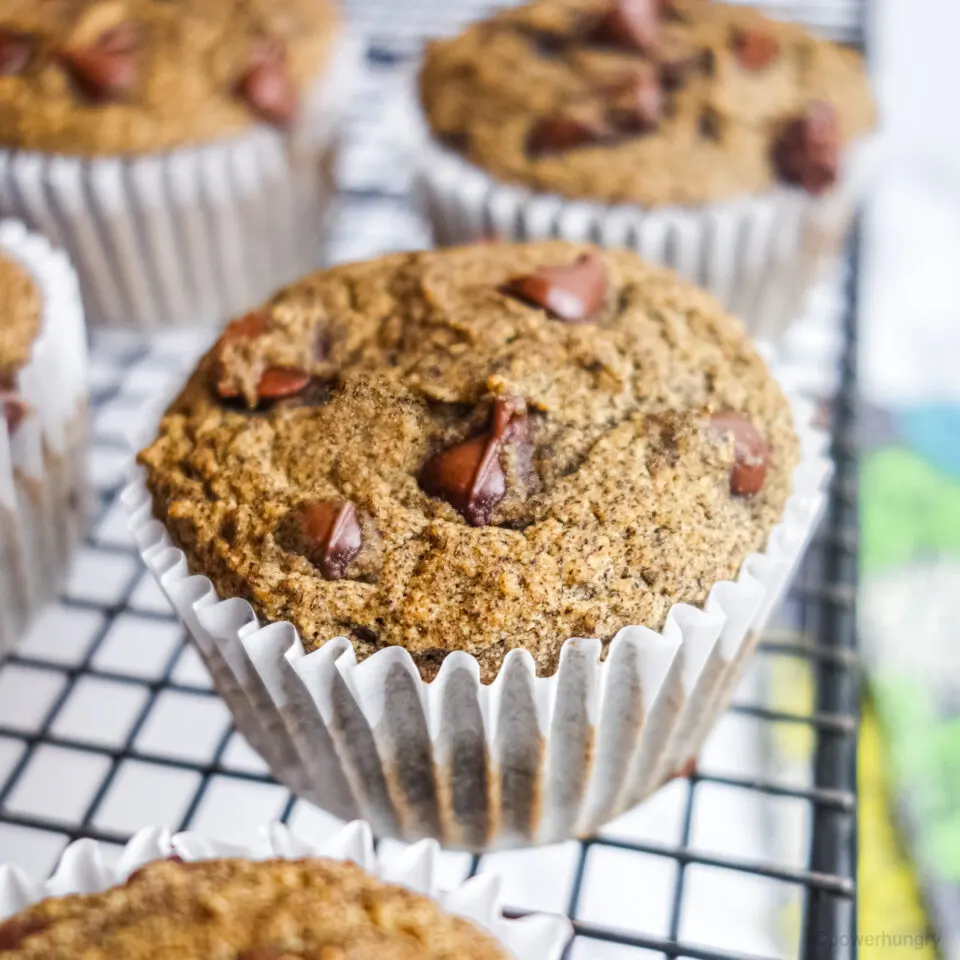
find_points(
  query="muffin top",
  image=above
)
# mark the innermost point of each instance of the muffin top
(103, 77)
(19, 319)
(243, 910)
(477, 449)
(652, 102)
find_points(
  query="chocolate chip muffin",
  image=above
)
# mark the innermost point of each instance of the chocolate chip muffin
(269, 910)
(479, 449)
(109, 77)
(186, 149)
(651, 102)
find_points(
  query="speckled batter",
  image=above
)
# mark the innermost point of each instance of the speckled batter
(242, 910)
(625, 510)
(485, 92)
(169, 72)
(19, 319)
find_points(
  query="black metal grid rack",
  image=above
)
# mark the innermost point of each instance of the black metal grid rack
(80, 651)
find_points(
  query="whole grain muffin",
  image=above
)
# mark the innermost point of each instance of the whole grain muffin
(652, 102)
(242, 910)
(109, 77)
(476, 449)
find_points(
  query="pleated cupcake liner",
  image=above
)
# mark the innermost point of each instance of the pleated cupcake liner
(197, 234)
(523, 760)
(43, 485)
(761, 256)
(84, 870)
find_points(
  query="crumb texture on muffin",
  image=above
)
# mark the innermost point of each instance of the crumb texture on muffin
(235, 909)
(477, 449)
(19, 319)
(653, 102)
(121, 77)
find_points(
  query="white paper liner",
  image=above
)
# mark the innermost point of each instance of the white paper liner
(523, 760)
(42, 466)
(82, 870)
(197, 234)
(760, 255)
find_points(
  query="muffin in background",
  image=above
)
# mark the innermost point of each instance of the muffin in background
(450, 501)
(701, 135)
(42, 424)
(180, 152)
(191, 898)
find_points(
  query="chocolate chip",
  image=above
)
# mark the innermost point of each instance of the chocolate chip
(469, 475)
(750, 452)
(566, 130)
(807, 151)
(278, 382)
(331, 534)
(574, 293)
(247, 327)
(755, 48)
(16, 49)
(106, 70)
(275, 383)
(636, 101)
(267, 87)
(14, 409)
(630, 25)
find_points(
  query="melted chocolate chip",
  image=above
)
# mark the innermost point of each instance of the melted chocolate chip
(750, 452)
(267, 87)
(106, 70)
(574, 292)
(16, 50)
(14, 409)
(754, 47)
(331, 534)
(630, 25)
(566, 130)
(807, 151)
(469, 475)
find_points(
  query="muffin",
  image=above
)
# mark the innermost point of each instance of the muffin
(701, 135)
(269, 909)
(42, 424)
(453, 462)
(180, 903)
(178, 152)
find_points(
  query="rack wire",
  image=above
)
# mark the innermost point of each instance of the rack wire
(108, 722)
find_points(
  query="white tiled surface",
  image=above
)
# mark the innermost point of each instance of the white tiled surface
(106, 667)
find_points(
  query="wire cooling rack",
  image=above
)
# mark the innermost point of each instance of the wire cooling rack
(108, 722)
